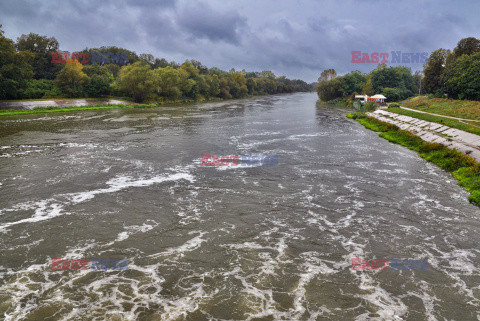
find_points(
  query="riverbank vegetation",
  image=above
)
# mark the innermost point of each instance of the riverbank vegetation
(395, 83)
(462, 167)
(467, 109)
(27, 72)
(43, 110)
(454, 74)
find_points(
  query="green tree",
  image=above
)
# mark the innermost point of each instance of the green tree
(367, 88)
(138, 81)
(213, 85)
(15, 69)
(394, 77)
(100, 80)
(327, 75)
(353, 83)
(329, 90)
(41, 47)
(466, 46)
(433, 70)
(462, 80)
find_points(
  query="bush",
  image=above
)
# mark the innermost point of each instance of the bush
(356, 115)
(430, 147)
(337, 102)
(376, 125)
(36, 89)
(370, 106)
(393, 105)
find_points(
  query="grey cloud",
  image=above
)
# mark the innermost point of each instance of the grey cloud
(201, 20)
(296, 38)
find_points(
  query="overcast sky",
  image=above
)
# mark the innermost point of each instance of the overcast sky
(296, 38)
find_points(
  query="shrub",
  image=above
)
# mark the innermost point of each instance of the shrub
(36, 88)
(356, 115)
(393, 105)
(376, 125)
(448, 159)
(430, 147)
(370, 106)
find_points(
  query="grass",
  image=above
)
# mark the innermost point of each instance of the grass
(468, 127)
(467, 109)
(462, 167)
(45, 110)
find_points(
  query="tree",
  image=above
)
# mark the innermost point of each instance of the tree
(461, 80)
(329, 90)
(137, 80)
(367, 88)
(433, 70)
(466, 46)
(71, 79)
(394, 77)
(148, 58)
(267, 74)
(15, 68)
(327, 75)
(41, 47)
(213, 85)
(352, 83)
(201, 68)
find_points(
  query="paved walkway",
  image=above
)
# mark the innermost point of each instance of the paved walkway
(465, 142)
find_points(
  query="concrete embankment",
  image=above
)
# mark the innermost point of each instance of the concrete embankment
(465, 142)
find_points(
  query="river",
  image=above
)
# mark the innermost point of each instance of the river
(228, 242)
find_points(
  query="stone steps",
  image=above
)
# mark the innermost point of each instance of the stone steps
(465, 142)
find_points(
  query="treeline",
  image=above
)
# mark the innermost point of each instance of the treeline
(27, 72)
(455, 74)
(395, 83)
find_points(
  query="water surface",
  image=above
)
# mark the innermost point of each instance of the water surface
(235, 243)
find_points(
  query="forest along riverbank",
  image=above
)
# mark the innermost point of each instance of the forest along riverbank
(228, 242)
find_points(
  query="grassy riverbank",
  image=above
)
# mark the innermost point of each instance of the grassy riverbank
(45, 110)
(462, 167)
(467, 109)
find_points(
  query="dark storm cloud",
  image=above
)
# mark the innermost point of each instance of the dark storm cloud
(297, 38)
(201, 21)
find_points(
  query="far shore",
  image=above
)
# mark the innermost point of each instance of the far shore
(60, 103)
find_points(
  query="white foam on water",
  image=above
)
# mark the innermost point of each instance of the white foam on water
(188, 246)
(134, 229)
(54, 207)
